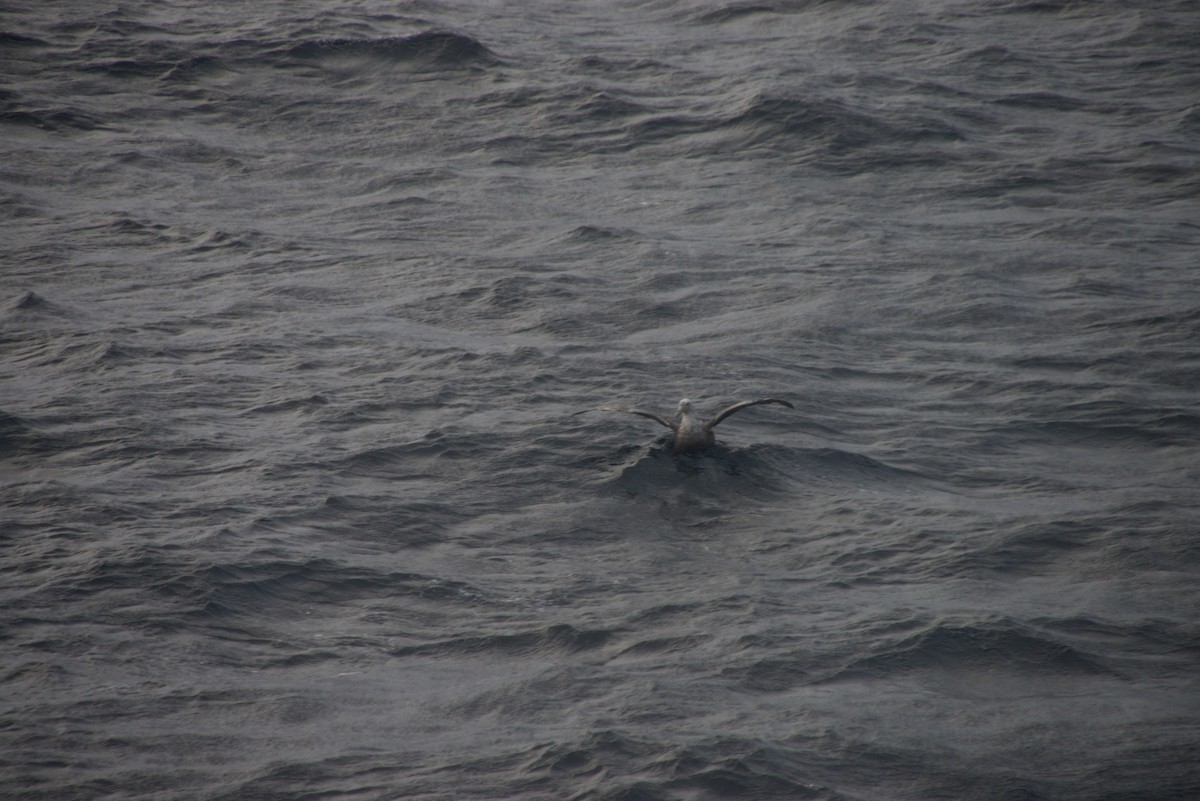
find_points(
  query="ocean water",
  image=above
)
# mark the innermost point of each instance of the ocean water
(298, 301)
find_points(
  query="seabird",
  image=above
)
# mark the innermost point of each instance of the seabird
(692, 435)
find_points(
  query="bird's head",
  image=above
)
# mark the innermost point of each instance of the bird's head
(685, 406)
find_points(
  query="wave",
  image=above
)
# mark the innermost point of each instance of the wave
(10, 39)
(607, 764)
(766, 125)
(29, 301)
(1107, 423)
(933, 652)
(711, 480)
(555, 639)
(961, 648)
(440, 49)
(801, 127)
(829, 122)
(54, 119)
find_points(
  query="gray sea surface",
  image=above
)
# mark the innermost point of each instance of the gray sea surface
(298, 301)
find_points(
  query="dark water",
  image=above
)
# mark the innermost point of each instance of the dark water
(298, 299)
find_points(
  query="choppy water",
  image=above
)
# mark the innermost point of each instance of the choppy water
(299, 299)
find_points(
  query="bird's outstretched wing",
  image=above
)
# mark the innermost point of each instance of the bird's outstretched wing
(737, 407)
(651, 415)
